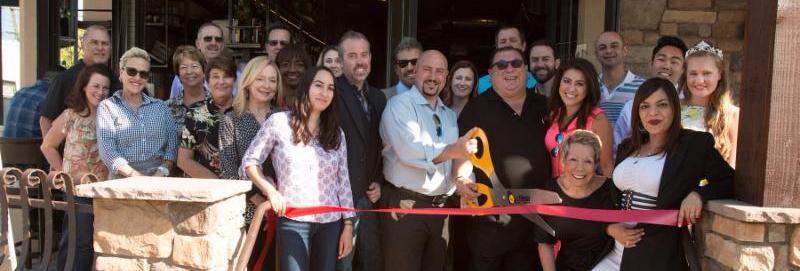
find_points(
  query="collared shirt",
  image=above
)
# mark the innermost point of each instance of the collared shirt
(401, 88)
(307, 175)
(613, 101)
(411, 142)
(179, 109)
(485, 82)
(125, 135)
(201, 134)
(22, 118)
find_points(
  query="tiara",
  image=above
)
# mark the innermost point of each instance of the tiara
(702, 46)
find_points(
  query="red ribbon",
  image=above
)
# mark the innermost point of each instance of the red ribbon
(658, 217)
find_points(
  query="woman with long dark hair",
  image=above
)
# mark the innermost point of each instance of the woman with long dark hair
(309, 154)
(574, 104)
(659, 167)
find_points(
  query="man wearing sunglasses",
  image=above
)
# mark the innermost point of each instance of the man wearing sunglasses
(507, 36)
(420, 137)
(96, 47)
(520, 158)
(278, 36)
(405, 60)
(211, 42)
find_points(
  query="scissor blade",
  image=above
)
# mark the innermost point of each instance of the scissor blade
(536, 219)
(534, 196)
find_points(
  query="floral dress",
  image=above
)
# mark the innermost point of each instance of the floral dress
(201, 134)
(81, 154)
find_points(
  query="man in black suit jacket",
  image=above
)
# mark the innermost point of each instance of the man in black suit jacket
(360, 109)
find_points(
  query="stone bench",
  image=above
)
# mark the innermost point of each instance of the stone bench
(154, 223)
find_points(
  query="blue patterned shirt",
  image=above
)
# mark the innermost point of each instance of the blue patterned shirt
(22, 119)
(125, 135)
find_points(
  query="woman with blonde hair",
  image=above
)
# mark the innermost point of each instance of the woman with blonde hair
(707, 104)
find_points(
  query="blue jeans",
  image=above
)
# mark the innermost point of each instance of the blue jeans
(305, 246)
(366, 255)
(84, 252)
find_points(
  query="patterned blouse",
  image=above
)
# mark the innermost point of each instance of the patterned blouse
(201, 134)
(81, 154)
(307, 175)
(178, 109)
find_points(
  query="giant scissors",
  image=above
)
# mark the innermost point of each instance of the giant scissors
(497, 194)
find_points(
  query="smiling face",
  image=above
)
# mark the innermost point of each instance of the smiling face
(331, 60)
(190, 73)
(656, 113)
(702, 76)
(579, 164)
(543, 63)
(221, 84)
(463, 82)
(265, 86)
(431, 73)
(210, 41)
(572, 88)
(668, 64)
(97, 89)
(508, 80)
(610, 49)
(134, 84)
(407, 58)
(96, 46)
(292, 70)
(321, 91)
(357, 60)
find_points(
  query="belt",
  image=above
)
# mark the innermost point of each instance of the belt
(436, 201)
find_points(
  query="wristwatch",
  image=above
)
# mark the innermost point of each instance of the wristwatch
(164, 170)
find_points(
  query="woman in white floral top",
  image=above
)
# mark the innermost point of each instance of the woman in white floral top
(309, 154)
(707, 104)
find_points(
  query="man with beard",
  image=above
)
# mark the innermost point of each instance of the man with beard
(211, 43)
(506, 36)
(96, 48)
(359, 107)
(618, 85)
(666, 62)
(420, 138)
(405, 60)
(521, 160)
(543, 63)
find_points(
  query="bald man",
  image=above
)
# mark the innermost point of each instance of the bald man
(618, 85)
(420, 138)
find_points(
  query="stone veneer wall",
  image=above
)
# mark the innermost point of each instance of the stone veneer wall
(737, 236)
(642, 22)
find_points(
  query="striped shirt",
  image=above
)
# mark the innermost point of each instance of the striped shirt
(126, 136)
(613, 101)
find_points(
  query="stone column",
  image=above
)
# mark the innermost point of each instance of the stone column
(151, 223)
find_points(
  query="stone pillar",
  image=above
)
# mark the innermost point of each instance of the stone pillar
(735, 235)
(150, 223)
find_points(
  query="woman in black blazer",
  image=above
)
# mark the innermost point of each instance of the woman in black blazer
(661, 167)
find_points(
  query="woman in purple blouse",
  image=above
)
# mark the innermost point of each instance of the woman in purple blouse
(309, 155)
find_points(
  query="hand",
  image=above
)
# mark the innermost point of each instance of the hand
(157, 173)
(625, 234)
(346, 240)
(691, 209)
(467, 188)
(374, 192)
(135, 173)
(465, 146)
(278, 204)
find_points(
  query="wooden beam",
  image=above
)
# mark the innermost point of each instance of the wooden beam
(768, 165)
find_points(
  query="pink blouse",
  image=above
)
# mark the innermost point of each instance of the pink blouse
(307, 175)
(554, 137)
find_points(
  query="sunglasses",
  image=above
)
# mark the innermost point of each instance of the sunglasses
(502, 64)
(438, 123)
(402, 63)
(210, 38)
(276, 42)
(133, 72)
(559, 138)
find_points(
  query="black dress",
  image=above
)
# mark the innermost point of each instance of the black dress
(583, 243)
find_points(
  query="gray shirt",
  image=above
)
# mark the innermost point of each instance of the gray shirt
(412, 138)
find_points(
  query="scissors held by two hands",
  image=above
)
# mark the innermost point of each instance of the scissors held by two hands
(497, 194)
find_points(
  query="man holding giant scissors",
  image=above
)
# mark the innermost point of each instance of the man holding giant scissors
(513, 119)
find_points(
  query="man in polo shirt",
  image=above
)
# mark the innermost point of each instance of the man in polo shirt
(405, 60)
(520, 158)
(618, 85)
(507, 36)
(420, 137)
(666, 62)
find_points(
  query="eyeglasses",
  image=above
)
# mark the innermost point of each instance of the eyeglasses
(402, 63)
(133, 72)
(210, 38)
(503, 64)
(276, 42)
(559, 138)
(438, 123)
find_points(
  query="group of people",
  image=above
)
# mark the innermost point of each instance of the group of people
(313, 134)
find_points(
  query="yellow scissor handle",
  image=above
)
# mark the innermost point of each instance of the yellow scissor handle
(486, 191)
(484, 162)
